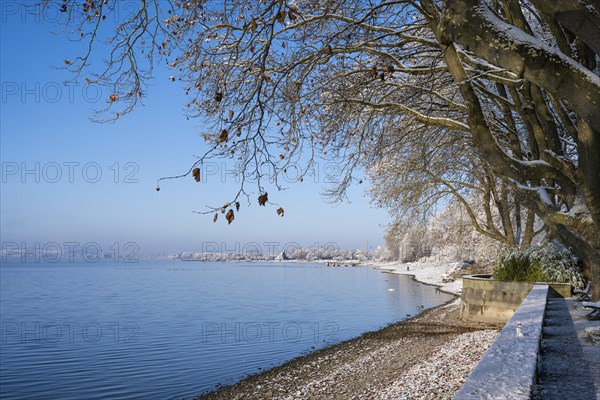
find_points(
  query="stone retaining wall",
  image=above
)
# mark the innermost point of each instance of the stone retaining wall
(494, 302)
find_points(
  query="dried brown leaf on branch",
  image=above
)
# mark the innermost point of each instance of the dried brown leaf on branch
(218, 97)
(280, 211)
(231, 114)
(223, 136)
(374, 71)
(292, 13)
(215, 217)
(262, 199)
(237, 206)
(281, 17)
(229, 216)
(196, 174)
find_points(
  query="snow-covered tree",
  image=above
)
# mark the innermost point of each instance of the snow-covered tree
(457, 239)
(427, 170)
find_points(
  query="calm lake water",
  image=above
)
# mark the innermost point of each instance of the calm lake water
(172, 329)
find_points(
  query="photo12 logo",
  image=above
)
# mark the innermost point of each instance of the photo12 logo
(52, 92)
(69, 332)
(236, 332)
(274, 251)
(53, 252)
(59, 12)
(69, 172)
(327, 172)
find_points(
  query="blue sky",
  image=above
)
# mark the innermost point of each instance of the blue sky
(68, 179)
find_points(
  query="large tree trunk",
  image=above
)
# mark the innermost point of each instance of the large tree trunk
(592, 267)
(472, 25)
(590, 255)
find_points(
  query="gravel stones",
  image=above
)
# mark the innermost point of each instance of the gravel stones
(426, 357)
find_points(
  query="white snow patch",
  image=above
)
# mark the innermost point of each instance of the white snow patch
(544, 197)
(429, 272)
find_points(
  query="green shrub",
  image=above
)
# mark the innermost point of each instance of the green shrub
(545, 263)
(512, 265)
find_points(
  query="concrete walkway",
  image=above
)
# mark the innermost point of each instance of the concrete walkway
(569, 365)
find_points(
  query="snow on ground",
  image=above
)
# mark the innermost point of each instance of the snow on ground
(441, 375)
(432, 273)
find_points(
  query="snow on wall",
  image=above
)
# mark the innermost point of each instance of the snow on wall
(508, 369)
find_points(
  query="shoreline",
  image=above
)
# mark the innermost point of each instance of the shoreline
(426, 273)
(397, 361)
(414, 278)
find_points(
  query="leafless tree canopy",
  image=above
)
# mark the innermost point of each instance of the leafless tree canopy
(497, 97)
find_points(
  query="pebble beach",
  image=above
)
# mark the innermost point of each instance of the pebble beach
(428, 356)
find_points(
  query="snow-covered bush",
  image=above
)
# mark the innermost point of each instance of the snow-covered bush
(515, 265)
(539, 263)
(558, 265)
